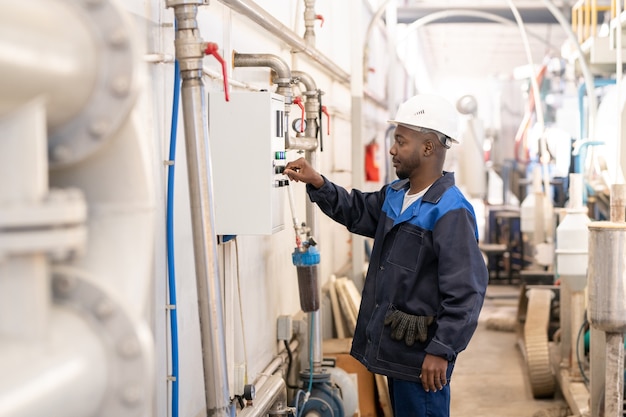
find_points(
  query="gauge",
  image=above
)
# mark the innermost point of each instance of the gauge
(299, 125)
(249, 392)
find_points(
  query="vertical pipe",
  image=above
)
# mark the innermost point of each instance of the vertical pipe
(619, 175)
(205, 250)
(189, 53)
(309, 23)
(314, 318)
(25, 276)
(358, 163)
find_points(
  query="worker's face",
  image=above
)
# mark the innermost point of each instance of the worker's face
(407, 150)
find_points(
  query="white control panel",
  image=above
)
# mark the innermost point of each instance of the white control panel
(247, 145)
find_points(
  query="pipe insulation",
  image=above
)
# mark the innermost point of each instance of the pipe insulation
(46, 49)
(68, 370)
(82, 58)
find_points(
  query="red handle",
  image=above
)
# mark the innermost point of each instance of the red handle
(298, 101)
(320, 17)
(325, 111)
(211, 49)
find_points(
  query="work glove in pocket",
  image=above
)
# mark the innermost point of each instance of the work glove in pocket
(407, 326)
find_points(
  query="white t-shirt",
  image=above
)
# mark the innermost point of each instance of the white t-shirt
(411, 198)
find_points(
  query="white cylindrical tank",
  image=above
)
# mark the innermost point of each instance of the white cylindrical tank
(572, 234)
(536, 212)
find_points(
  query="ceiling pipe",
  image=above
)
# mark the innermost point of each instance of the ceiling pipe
(529, 15)
(259, 16)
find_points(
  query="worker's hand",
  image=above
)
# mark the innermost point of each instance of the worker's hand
(407, 326)
(433, 374)
(300, 170)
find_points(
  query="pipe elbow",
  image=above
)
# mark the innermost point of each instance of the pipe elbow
(306, 80)
(264, 60)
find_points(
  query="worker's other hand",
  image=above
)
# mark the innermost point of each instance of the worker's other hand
(407, 326)
(433, 374)
(301, 170)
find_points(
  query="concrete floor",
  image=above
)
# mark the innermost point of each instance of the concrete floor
(490, 379)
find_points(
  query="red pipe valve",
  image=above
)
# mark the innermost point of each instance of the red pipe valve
(298, 101)
(212, 49)
(325, 111)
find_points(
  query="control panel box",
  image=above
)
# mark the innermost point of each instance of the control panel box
(247, 149)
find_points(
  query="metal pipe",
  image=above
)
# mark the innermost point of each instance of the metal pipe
(309, 22)
(280, 67)
(189, 52)
(309, 140)
(264, 60)
(259, 16)
(271, 396)
(276, 363)
(312, 109)
(607, 292)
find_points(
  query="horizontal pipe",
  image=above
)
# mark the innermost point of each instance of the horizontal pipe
(271, 395)
(528, 14)
(264, 60)
(262, 18)
(301, 143)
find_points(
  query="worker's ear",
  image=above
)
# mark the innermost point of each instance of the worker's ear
(429, 146)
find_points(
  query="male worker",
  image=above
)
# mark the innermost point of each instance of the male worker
(426, 280)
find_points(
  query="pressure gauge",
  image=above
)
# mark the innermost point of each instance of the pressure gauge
(249, 392)
(299, 125)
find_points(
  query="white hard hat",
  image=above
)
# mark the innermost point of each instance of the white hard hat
(431, 112)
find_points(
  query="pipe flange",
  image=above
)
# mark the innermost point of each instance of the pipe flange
(113, 92)
(126, 340)
(55, 226)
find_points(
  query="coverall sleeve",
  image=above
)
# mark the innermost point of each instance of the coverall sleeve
(356, 210)
(463, 279)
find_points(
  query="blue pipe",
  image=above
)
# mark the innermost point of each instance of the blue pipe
(171, 270)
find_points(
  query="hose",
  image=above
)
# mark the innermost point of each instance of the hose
(171, 270)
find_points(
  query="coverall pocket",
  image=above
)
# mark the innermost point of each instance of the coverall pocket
(406, 247)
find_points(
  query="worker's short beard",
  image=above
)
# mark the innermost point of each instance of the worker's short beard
(401, 174)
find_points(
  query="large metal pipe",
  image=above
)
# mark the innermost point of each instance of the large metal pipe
(189, 52)
(46, 49)
(65, 373)
(607, 295)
